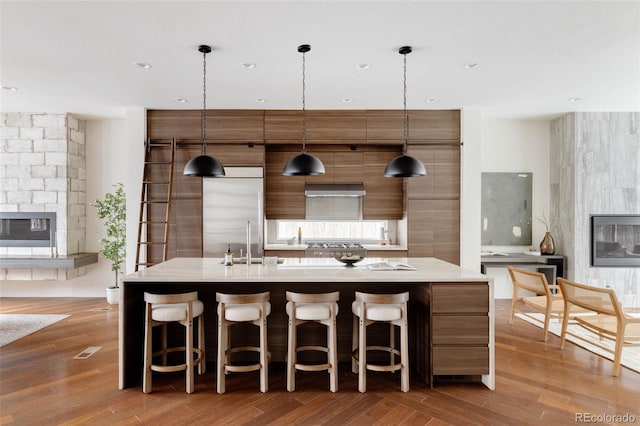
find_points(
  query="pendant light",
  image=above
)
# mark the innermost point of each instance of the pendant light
(204, 165)
(303, 164)
(404, 165)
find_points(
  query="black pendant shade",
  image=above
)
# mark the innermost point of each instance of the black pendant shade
(303, 165)
(204, 165)
(405, 165)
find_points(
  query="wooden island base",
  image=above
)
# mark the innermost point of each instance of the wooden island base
(450, 309)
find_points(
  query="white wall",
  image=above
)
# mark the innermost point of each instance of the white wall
(518, 146)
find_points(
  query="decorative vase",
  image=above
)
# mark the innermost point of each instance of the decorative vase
(547, 245)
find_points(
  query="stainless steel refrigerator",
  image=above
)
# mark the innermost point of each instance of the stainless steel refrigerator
(231, 205)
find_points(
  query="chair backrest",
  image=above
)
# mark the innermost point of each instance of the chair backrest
(529, 280)
(597, 299)
(242, 298)
(171, 298)
(382, 298)
(313, 298)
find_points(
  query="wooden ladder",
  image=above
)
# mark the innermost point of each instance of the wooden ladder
(157, 177)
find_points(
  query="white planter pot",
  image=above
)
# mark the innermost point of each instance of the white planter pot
(113, 295)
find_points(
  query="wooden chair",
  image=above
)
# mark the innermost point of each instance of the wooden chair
(545, 301)
(609, 322)
(321, 308)
(370, 308)
(162, 309)
(239, 308)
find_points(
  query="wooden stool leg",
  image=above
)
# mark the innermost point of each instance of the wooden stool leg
(392, 343)
(202, 367)
(333, 356)
(164, 343)
(148, 350)
(222, 349)
(188, 353)
(404, 354)
(354, 344)
(362, 356)
(291, 356)
(264, 363)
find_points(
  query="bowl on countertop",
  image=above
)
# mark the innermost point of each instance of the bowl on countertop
(349, 260)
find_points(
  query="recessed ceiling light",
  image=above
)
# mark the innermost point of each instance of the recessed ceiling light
(347, 100)
(247, 65)
(575, 99)
(472, 65)
(143, 65)
(363, 66)
(260, 100)
(432, 100)
(10, 88)
(181, 100)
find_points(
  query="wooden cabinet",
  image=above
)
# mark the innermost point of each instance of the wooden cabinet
(424, 127)
(460, 329)
(230, 126)
(323, 126)
(433, 203)
(284, 195)
(384, 198)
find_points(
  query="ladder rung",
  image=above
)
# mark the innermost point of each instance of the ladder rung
(154, 202)
(153, 221)
(148, 182)
(145, 264)
(153, 163)
(152, 242)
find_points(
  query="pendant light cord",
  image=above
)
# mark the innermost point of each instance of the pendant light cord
(304, 109)
(404, 105)
(204, 103)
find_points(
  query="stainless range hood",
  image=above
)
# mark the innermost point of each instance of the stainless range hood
(334, 190)
(333, 201)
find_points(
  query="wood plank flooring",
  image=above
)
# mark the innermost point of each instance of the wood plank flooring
(536, 383)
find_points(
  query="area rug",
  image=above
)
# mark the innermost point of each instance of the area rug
(17, 326)
(581, 337)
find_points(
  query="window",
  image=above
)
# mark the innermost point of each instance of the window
(355, 230)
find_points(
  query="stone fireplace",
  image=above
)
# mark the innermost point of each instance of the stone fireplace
(43, 171)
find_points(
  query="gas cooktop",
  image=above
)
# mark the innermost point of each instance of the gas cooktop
(336, 245)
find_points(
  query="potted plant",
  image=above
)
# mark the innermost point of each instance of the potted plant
(113, 213)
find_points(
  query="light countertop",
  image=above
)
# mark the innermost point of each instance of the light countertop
(323, 270)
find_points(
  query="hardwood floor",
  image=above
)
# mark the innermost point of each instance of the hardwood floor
(536, 383)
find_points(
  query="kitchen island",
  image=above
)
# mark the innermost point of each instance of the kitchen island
(451, 310)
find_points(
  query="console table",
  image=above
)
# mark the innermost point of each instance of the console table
(553, 266)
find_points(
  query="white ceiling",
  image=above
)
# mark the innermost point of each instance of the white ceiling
(78, 56)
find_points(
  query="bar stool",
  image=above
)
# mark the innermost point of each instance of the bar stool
(320, 308)
(239, 308)
(162, 309)
(370, 308)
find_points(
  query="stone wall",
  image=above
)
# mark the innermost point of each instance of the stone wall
(595, 169)
(42, 169)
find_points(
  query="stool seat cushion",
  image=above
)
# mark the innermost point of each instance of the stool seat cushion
(243, 312)
(312, 311)
(175, 311)
(377, 312)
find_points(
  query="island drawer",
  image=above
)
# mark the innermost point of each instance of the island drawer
(459, 298)
(460, 360)
(460, 329)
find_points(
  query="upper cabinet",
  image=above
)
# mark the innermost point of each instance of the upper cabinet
(424, 127)
(223, 126)
(335, 126)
